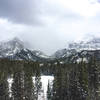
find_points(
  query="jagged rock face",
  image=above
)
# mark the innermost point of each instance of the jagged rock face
(15, 49)
(78, 51)
(64, 53)
(92, 44)
(40, 54)
(11, 47)
(75, 52)
(85, 56)
(27, 55)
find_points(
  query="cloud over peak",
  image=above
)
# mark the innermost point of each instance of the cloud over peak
(48, 24)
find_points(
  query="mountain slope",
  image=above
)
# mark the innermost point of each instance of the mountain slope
(77, 51)
(11, 47)
(15, 49)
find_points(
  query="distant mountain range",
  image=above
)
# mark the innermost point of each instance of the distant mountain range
(75, 52)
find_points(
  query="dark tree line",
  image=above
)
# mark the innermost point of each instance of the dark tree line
(23, 87)
(76, 81)
(72, 81)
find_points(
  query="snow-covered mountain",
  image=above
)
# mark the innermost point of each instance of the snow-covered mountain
(40, 54)
(92, 44)
(76, 51)
(63, 53)
(11, 47)
(15, 49)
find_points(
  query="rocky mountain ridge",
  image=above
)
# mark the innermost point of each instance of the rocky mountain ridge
(75, 52)
(15, 49)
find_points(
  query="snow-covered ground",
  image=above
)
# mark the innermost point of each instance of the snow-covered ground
(44, 81)
(10, 81)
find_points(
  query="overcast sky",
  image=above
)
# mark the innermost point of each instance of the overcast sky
(48, 25)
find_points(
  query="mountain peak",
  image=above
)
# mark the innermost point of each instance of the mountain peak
(11, 47)
(89, 43)
(15, 49)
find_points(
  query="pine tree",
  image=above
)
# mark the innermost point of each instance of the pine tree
(28, 84)
(49, 91)
(37, 84)
(4, 91)
(94, 72)
(18, 86)
(83, 79)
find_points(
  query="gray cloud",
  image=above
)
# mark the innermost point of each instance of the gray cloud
(32, 11)
(20, 11)
(45, 24)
